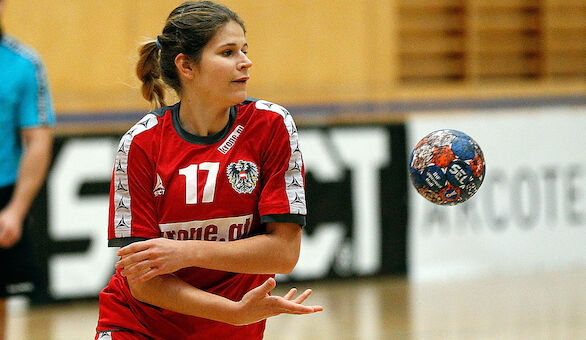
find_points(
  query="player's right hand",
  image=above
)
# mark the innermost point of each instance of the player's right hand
(10, 228)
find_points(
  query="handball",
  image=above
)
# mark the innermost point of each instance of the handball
(447, 167)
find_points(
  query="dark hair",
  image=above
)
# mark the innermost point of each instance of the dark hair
(187, 30)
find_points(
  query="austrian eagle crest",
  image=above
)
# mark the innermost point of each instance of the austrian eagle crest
(243, 176)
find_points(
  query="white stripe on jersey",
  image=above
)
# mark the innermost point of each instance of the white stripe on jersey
(105, 335)
(294, 175)
(122, 199)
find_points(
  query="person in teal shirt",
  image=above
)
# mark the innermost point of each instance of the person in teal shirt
(26, 121)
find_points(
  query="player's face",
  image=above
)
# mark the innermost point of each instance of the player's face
(223, 71)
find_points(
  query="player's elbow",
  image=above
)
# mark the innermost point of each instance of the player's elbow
(287, 244)
(139, 291)
(288, 261)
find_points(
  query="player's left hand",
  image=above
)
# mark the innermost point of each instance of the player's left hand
(141, 261)
(258, 304)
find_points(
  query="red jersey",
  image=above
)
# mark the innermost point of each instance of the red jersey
(170, 183)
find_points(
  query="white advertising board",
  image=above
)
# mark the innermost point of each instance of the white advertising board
(529, 214)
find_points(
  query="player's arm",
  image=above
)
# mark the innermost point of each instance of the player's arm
(35, 160)
(276, 251)
(171, 293)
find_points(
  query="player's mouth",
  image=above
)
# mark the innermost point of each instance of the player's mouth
(242, 80)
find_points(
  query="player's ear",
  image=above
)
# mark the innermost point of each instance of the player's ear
(185, 66)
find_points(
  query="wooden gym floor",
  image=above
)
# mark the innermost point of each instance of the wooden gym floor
(538, 306)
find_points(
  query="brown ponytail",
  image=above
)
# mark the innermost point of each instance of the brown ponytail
(148, 71)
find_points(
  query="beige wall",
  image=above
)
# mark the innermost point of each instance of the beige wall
(304, 51)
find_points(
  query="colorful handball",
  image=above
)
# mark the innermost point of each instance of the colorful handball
(447, 167)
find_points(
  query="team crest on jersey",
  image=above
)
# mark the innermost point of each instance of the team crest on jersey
(159, 189)
(243, 176)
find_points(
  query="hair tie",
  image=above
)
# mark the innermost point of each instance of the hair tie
(158, 43)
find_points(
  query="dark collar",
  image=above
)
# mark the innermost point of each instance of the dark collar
(203, 140)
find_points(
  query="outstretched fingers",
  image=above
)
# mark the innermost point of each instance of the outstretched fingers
(292, 307)
(303, 296)
(295, 306)
(258, 304)
(287, 303)
(290, 294)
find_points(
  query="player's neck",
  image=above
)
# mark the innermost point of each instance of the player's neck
(201, 119)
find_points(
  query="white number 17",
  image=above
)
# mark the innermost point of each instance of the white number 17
(209, 189)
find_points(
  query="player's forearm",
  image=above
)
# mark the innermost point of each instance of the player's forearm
(171, 293)
(33, 168)
(275, 252)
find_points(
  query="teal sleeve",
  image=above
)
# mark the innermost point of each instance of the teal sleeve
(35, 103)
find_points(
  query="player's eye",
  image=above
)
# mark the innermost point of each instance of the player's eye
(227, 53)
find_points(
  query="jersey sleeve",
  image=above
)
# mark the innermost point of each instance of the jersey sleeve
(132, 214)
(282, 198)
(35, 104)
